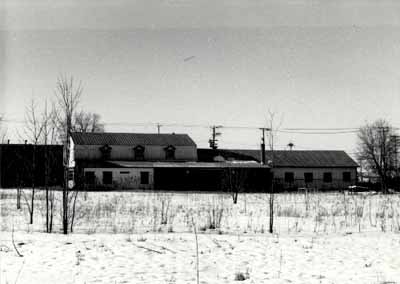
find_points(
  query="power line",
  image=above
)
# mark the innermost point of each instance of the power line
(317, 129)
(331, 129)
(240, 127)
(327, 130)
(319, 132)
(289, 130)
(215, 134)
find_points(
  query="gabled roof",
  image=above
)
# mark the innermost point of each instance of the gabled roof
(132, 164)
(286, 158)
(131, 139)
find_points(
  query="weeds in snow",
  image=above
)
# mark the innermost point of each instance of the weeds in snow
(242, 276)
(138, 212)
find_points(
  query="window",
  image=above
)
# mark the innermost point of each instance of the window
(139, 153)
(289, 177)
(105, 151)
(144, 177)
(107, 177)
(347, 176)
(308, 177)
(327, 177)
(89, 177)
(70, 174)
(124, 173)
(169, 152)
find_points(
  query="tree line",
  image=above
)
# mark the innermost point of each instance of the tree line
(50, 122)
(378, 155)
(53, 121)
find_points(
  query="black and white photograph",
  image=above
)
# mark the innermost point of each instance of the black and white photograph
(199, 142)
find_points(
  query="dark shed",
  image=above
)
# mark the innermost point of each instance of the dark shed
(24, 164)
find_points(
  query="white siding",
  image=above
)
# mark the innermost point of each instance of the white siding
(151, 153)
(128, 180)
(337, 176)
(71, 158)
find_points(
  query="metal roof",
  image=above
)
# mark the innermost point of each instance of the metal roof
(130, 164)
(132, 139)
(288, 158)
(209, 155)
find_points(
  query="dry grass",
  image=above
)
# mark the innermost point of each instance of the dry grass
(141, 212)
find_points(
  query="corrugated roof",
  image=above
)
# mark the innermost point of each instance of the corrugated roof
(132, 139)
(208, 155)
(286, 158)
(131, 164)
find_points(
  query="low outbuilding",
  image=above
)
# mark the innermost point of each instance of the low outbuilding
(156, 162)
(322, 169)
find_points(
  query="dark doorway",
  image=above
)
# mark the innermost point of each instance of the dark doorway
(90, 178)
(107, 177)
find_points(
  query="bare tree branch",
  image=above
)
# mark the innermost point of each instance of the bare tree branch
(68, 95)
(88, 122)
(33, 123)
(376, 150)
(3, 130)
(273, 130)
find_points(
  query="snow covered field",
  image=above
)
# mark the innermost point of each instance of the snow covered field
(143, 212)
(170, 258)
(142, 237)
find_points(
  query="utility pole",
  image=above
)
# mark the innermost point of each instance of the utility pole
(263, 129)
(263, 146)
(271, 196)
(158, 128)
(384, 161)
(270, 164)
(214, 135)
(361, 171)
(395, 142)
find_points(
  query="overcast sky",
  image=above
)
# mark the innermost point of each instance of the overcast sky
(317, 64)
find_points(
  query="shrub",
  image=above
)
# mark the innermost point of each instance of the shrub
(240, 276)
(291, 211)
(215, 212)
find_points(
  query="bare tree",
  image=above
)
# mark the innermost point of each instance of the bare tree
(21, 164)
(3, 130)
(72, 202)
(88, 122)
(49, 137)
(272, 132)
(376, 150)
(67, 94)
(234, 181)
(33, 130)
(2, 138)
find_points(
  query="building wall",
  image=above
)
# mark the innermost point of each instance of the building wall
(123, 178)
(210, 179)
(118, 152)
(22, 165)
(337, 177)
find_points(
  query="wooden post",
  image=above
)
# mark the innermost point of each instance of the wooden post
(263, 146)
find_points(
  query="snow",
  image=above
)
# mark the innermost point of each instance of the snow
(120, 237)
(140, 212)
(171, 258)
